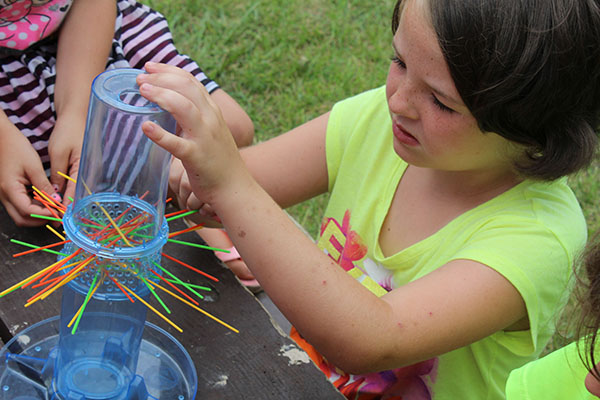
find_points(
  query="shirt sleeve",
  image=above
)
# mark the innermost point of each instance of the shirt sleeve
(345, 117)
(537, 262)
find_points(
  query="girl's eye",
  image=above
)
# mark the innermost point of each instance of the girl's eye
(441, 105)
(398, 62)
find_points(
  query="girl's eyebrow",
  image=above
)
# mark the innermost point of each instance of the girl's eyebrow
(435, 90)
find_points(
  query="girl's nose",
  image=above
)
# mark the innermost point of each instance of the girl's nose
(401, 97)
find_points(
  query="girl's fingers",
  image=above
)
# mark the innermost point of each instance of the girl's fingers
(57, 181)
(179, 81)
(185, 191)
(20, 219)
(37, 176)
(20, 206)
(180, 107)
(175, 173)
(184, 194)
(69, 193)
(165, 139)
(193, 203)
(200, 123)
(181, 94)
(59, 161)
(71, 186)
(153, 67)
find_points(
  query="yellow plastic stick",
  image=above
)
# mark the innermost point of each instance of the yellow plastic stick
(51, 229)
(152, 308)
(66, 177)
(83, 304)
(48, 199)
(225, 324)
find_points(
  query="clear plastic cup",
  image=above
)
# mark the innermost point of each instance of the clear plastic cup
(116, 225)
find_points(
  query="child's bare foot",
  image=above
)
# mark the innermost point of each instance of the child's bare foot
(218, 238)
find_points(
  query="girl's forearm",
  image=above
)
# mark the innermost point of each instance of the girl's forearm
(7, 128)
(318, 297)
(84, 44)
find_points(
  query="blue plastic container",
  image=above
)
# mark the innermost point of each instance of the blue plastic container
(117, 223)
(116, 227)
(117, 157)
(27, 363)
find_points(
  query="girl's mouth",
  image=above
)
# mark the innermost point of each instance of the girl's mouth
(403, 136)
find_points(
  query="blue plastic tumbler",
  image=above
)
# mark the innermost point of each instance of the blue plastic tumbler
(116, 228)
(101, 347)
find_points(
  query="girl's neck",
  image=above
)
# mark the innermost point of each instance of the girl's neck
(478, 186)
(426, 200)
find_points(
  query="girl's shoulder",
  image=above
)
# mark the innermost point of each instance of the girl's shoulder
(372, 98)
(355, 116)
(538, 200)
(552, 206)
(535, 229)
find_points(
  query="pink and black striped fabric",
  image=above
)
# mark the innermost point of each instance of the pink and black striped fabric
(27, 78)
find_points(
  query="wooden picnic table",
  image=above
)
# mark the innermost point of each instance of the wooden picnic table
(261, 362)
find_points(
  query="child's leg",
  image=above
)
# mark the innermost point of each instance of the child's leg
(238, 122)
(145, 36)
(218, 238)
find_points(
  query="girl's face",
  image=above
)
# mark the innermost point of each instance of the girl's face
(431, 125)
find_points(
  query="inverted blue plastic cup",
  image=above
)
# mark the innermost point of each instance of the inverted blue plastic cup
(117, 158)
(116, 224)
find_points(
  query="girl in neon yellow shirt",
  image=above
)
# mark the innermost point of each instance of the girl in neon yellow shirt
(447, 244)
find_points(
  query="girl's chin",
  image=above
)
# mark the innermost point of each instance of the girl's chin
(407, 153)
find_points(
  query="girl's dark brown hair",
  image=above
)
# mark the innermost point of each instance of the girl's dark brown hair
(528, 70)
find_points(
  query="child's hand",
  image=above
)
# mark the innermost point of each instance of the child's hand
(186, 199)
(64, 148)
(205, 146)
(180, 186)
(21, 166)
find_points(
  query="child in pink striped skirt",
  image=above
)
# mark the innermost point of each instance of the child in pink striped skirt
(50, 51)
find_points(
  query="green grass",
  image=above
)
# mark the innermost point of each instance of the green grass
(287, 61)
(586, 185)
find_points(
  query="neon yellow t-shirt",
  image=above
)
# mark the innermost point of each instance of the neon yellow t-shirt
(558, 376)
(530, 234)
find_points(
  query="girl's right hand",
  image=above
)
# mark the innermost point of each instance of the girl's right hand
(20, 166)
(179, 184)
(203, 144)
(64, 148)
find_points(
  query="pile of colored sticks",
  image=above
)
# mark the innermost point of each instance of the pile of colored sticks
(110, 232)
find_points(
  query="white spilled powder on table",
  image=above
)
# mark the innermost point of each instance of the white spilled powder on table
(22, 338)
(295, 355)
(220, 382)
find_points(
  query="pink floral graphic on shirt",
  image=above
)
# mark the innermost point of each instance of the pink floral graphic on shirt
(413, 382)
(350, 247)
